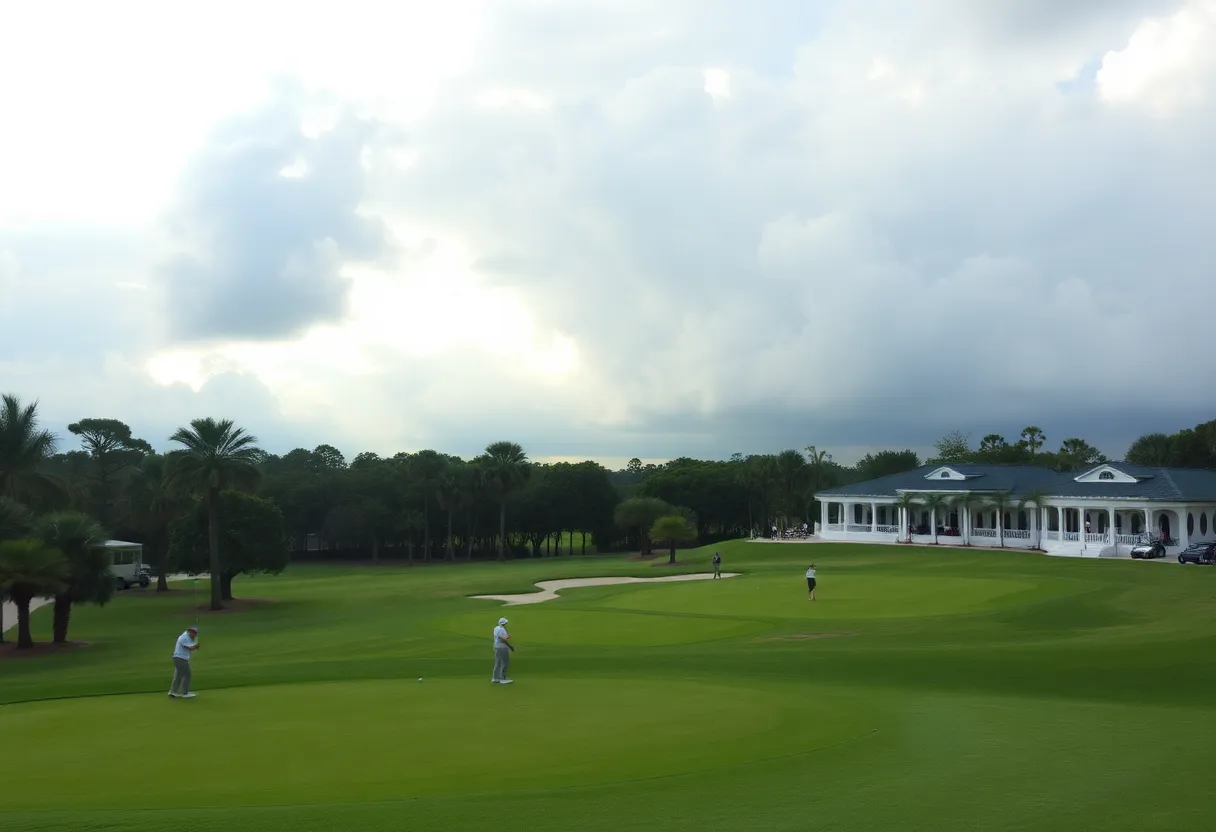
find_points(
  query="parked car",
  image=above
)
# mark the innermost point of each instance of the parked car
(1149, 549)
(1198, 553)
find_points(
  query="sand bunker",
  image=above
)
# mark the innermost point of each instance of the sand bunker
(548, 589)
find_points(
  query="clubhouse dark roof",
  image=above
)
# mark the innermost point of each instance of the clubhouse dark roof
(1183, 485)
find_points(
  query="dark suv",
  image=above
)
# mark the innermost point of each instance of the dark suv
(1198, 553)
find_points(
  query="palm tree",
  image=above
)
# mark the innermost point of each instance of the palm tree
(935, 503)
(24, 449)
(506, 467)
(1000, 502)
(965, 504)
(29, 570)
(907, 501)
(425, 471)
(89, 581)
(218, 456)
(818, 461)
(15, 521)
(448, 494)
(1038, 498)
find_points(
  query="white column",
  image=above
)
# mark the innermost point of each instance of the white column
(1110, 524)
(823, 517)
(873, 517)
(1183, 536)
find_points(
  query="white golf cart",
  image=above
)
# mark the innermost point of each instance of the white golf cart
(127, 564)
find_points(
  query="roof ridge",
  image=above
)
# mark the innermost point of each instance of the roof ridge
(1173, 485)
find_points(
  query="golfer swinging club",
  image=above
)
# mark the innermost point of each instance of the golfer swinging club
(810, 582)
(717, 565)
(187, 643)
(502, 653)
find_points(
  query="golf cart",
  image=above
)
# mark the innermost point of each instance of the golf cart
(1198, 553)
(126, 564)
(1148, 548)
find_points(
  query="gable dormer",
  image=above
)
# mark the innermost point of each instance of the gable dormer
(945, 473)
(1107, 474)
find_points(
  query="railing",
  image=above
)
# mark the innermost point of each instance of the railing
(1072, 536)
(1098, 537)
(835, 527)
(1018, 534)
(983, 532)
(887, 529)
(1130, 539)
(857, 527)
(1051, 535)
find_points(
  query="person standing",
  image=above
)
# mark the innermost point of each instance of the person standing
(502, 653)
(717, 565)
(810, 582)
(187, 643)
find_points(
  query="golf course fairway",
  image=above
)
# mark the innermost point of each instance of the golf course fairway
(924, 689)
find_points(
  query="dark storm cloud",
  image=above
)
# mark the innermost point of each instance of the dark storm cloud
(262, 251)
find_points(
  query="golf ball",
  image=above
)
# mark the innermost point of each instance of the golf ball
(419, 678)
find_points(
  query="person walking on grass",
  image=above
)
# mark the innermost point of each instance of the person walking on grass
(187, 643)
(717, 565)
(810, 582)
(502, 653)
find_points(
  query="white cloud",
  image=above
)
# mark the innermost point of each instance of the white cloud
(1168, 63)
(621, 228)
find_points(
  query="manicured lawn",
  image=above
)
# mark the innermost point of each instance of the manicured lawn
(924, 690)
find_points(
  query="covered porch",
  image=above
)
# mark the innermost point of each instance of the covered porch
(1059, 527)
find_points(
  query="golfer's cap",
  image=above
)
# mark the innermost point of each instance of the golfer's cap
(502, 621)
(192, 629)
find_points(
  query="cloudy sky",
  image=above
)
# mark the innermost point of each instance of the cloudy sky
(611, 228)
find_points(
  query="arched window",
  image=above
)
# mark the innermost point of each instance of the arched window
(945, 475)
(1190, 524)
(1023, 521)
(1106, 475)
(1203, 524)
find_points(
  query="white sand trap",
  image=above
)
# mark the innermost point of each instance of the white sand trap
(548, 589)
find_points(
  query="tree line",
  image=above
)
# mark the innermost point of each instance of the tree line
(219, 504)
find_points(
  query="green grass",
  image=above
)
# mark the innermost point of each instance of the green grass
(963, 691)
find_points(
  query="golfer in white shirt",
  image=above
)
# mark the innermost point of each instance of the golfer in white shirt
(502, 653)
(810, 581)
(187, 643)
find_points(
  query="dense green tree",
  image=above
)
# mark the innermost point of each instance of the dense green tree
(1152, 449)
(251, 532)
(675, 529)
(640, 514)
(884, 463)
(1033, 438)
(152, 502)
(955, 446)
(1076, 453)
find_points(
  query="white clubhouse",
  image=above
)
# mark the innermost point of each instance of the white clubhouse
(1100, 512)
